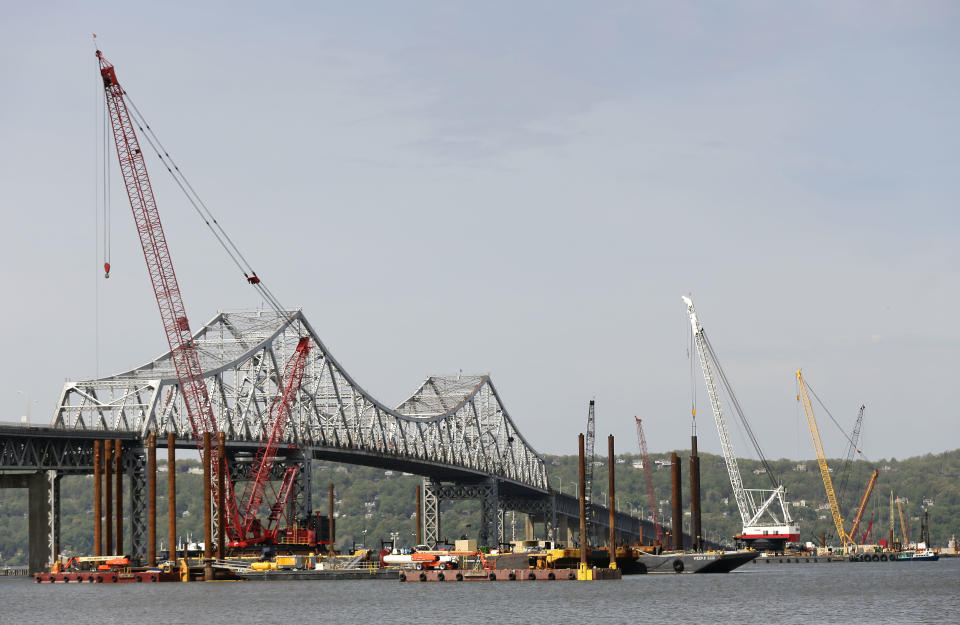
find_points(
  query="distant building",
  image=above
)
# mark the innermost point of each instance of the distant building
(801, 467)
(638, 464)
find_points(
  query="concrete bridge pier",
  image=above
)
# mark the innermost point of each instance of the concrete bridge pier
(43, 508)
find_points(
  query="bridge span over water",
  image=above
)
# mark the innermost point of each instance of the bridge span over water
(454, 431)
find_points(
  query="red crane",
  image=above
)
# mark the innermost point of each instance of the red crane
(867, 534)
(646, 470)
(183, 352)
(246, 527)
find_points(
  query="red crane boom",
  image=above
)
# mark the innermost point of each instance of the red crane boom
(242, 528)
(248, 528)
(646, 471)
(183, 352)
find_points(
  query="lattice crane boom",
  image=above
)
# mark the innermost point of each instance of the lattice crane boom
(904, 532)
(160, 267)
(730, 458)
(761, 523)
(589, 454)
(851, 450)
(863, 503)
(642, 440)
(266, 454)
(822, 461)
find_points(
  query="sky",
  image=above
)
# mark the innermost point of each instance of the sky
(520, 189)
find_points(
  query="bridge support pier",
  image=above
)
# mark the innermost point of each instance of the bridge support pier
(431, 511)
(491, 519)
(135, 465)
(43, 510)
(53, 506)
(301, 503)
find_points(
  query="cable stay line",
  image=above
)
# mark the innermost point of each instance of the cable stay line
(203, 211)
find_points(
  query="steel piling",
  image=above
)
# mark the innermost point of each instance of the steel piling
(97, 498)
(695, 520)
(108, 497)
(612, 503)
(583, 505)
(152, 500)
(118, 475)
(221, 503)
(172, 496)
(675, 495)
(207, 510)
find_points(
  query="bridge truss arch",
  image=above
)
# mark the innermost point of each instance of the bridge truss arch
(454, 423)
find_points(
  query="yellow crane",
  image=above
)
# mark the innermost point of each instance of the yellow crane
(822, 461)
(891, 520)
(903, 526)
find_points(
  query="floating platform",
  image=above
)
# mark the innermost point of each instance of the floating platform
(317, 575)
(828, 559)
(105, 577)
(502, 575)
(689, 562)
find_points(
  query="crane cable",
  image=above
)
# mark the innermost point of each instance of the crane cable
(106, 190)
(202, 210)
(825, 409)
(738, 410)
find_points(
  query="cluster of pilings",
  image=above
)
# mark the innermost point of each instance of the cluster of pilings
(676, 500)
(107, 492)
(108, 497)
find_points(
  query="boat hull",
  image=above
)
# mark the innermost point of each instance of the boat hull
(675, 563)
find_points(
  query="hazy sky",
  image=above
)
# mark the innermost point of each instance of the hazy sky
(519, 188)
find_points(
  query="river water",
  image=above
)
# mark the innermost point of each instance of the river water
(921, 592)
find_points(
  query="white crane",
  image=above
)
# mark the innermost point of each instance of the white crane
(763, 526)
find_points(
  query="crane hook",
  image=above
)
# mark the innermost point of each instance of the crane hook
(106, 270)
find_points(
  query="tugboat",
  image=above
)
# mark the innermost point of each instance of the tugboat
(921, 555)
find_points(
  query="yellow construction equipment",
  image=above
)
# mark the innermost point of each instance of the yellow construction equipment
(822, 461)
(891, 519)
(903, 526)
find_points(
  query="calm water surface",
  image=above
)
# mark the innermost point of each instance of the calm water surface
(796, 593)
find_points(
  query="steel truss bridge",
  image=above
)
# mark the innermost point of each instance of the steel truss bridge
(453, 431)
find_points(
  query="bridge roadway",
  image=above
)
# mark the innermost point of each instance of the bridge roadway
(454, 431)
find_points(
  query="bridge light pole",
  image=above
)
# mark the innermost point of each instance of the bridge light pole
(26, 417)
